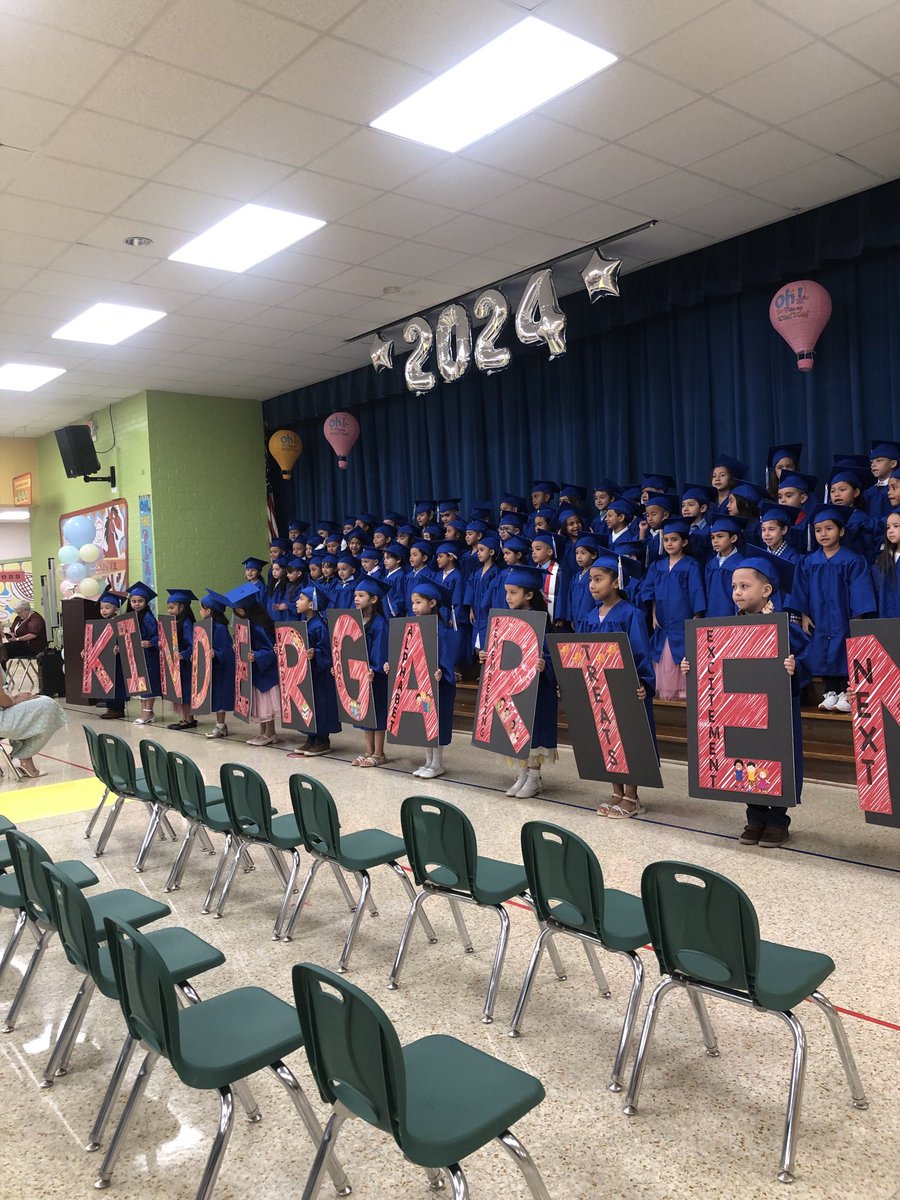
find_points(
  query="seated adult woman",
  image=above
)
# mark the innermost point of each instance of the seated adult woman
(29, 722)
(27, 634)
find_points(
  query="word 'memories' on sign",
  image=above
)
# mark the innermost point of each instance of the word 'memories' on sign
(507, 692)
(873, 658)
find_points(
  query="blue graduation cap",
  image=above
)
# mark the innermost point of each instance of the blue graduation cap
(296, 524)
(629, 567)
(394, 518)
(606, 485)
(398, 550)
(185, 595)
(280, 561)
(256, 564)
(374, 587)
(476, 525)
(544, 485)
(778, 512)
(329, 560)
(885, 450)
(326, 525)
(362, 535)
(546, 539)
(432, 590)
(242, 596)
(573, 491)
(366, 518)
(728, 524)
(661, 483)
(458, 524)
(564, 513)
(545, 511)
(778, 571)
(629, 546)
(335, 537)
(295, 564)
(632, 492)
(842, 473)
(453, 548)
(426, 548)
(587, 541)
(141, 589)
(407, 528)
(423, 506)
(700, 492)
(214, 601)
(515, 520)
(620, 564)
(623, 506)
(839, 513)
(526, 577)
(783, 450)
(796, 479)
(661, 500)
(280, 542)
(680, 525)
(491, 540)
(448, 505)
(348, 560)
(315, 560)
(111, 597)
(735, 468)
(481, 511)
(748, 491)
(387, 531)
(518, 502)
(522, 545)
(319, 599)
(369, 554)
(434, 532)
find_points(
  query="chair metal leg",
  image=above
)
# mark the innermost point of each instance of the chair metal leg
(631, 1012)
(525, 1163)
(166, 825)
(248, 1101)
(246, 859)
(181, 858)
(436, 1182)
(344, 886)
(152, 828)
(537, 953)
(699, 1006)
(137, 1091)
(58, 1063)
(227, 851)
(13, 944)
(551, 945)
(110, 825)
(288, 1080)
(394, 979)
(843, 1045)
(27, 979)
(229, 880)
(95, 815)
(499, 955)
(640, 1062)
(204, 839)
(369, 902)
(219, 1146)
(411, 893)
(795, 1098)
(590, 953)
(324, 1153)
(286, 897)
(459, 1188)
(109, 1099)
(277, 862)
(461, 928)
(365, 884)
(301, 899)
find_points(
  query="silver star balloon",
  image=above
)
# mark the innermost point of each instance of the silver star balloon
(381, 353)
(601, 276)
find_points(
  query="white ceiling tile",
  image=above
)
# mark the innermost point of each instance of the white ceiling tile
(737, 214)
(817, 183)
(31, 251)
(255, 288)
(83, 187)
(761, 157)
(622, 26)
(472, 234)
(874, 39)
(823, 16)
(110, 233)
(619, 100)
(302, 269)
(663, 241)
(311, 343)
(182, 277)
(166, 343)
(173, 207)
(596, 222)
(319, 301)
(58, 283)
(246, 334)
(366, 281)
(320, 14)
(606, 172)
(399, 216)
(384, 314)
(223, 172)
(220, 349)
(12, 163)
(167, 299)
(344, 244)
(672, 194)
(722, 45)
(286, 319)
(881, 154)
(377, 159)
(859, 117)
(49, 63)
(236, 44)
(37, 326)
(164, 97)
(14, 276)
(98, 140)
(532, 248)
(415, 258)
(318, 80)
(420, 294)
(534, 205)
(28, 121)
(21, 215)
(343, 327)
(53, 308)
(469, 183)
(797, 84)
(195, 327)
(279, 131)
(693, 132)
(102, 264)
(317, 195)
(533, 146)
(103, 20)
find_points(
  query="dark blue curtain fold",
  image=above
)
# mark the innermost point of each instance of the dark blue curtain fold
(686, 364)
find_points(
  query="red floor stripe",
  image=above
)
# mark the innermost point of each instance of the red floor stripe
(848, 1012)
(80, 766)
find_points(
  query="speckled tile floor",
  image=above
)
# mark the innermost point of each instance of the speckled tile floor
(706, 1127)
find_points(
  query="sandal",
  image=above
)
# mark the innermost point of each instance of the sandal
(618, 813)
(373, 760)
(359, 761)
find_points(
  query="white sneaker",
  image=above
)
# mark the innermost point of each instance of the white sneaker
(431, 772)
(220, 731)
(829, 701)
(532, 785)
(420, 771)
(519, 780)
(842, 704)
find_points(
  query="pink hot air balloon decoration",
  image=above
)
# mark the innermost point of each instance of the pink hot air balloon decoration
(799, 312)
(341, 432)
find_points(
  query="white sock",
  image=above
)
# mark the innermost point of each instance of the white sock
(437, 758)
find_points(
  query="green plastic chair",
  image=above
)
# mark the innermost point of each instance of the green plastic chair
(96, 756)
(566, 883)
(252, 821)
(154, 764)
(184, 954)
(438, 1098)
(212, 1045)
(124, 781)
(28, 857)
(5, 860)
(443, 853)
(320, 827)
(705, 933)
(201, 805)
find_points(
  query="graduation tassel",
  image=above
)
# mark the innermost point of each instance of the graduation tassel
(621, 574)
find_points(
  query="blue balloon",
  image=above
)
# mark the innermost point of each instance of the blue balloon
(75, 572)
(78, 531)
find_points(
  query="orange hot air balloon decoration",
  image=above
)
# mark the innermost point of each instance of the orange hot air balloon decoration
(285, 447)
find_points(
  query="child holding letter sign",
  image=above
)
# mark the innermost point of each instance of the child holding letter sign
(367, 599)
(311, 602)
(213, 606)
(429, 596)
(140, 596)
(263, 667)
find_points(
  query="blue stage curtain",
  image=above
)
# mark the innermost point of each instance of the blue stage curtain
(685, 365)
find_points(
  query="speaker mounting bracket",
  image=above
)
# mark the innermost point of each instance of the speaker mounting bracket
(110, 478)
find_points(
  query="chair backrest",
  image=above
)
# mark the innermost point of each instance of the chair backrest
(155, 761)
(118, 760)
(6, 824)
(701, 925)
(73, 920)
(95, 750)
(27, 856)
(187, 791)
(353, 1049)
(564, 877)
(145, 989)
(246, 799)
(317, 815)
(440, 843)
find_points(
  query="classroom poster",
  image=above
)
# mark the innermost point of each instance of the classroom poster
(412, 688)
(98, 673)
(739, 720)
(16, 583)
(201, 667)
(243, 678)
(608, 724)
(93, 550)
(873, 660)
(298, 708)
(169, 659)
(131, 654)
(350, 663)
(507, 691)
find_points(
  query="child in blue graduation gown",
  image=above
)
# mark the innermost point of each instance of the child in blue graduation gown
(555, 579)
(110, 603)
(581, 603)
(276, 590)
(421, 554)
(213, 606)
(330, 582)
(725, 471)
(886, 571)
(179, 607)
(430, 597)
(675, 588)
(263, 662)
(311, 603)
(845, 490)
(612, 613)
(347, 574)
(516, 552)
(396, 557)
(367, 599)
(831, 587)
(253, 568)
(480, 588)
(724, 532)
(884, 459)
(140, 596)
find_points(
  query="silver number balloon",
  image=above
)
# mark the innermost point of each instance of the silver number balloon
(418, 330)
(539, 317)
(453, 341)
(488, 356)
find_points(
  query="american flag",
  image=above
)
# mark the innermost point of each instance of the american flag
(270, 516)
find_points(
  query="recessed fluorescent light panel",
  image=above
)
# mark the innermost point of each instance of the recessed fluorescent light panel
(249, 236)
(22, 377)
(514, 74)
(109, 324)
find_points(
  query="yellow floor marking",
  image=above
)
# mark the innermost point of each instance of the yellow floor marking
(50, 800)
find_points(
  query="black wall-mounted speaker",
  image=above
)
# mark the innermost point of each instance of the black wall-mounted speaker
(76, 447)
